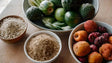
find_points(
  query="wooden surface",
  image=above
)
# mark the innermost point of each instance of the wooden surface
(14, 53)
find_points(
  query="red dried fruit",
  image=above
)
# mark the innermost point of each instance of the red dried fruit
(90, 26)
(102, 29)
(110, 34)
(92, 36)
(106, 35)
(93, 48)
(83, 59)
(99, 41)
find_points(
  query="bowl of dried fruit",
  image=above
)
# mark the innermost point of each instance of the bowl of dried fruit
(91, 42)
(12, 28)
(61, 15)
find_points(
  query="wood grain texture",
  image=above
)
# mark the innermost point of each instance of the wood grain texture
(14, 53)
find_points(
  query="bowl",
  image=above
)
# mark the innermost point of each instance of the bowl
(49, 33)
(81, 27)
(26, 5)
(15, 39)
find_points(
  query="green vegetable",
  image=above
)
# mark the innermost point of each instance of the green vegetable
(66, 28)
(87, 11)
(71, 4)
(33, 13)
(56, 2)
(57, 25)
(59, 14)
(66, 4)
(35, 2)
(71, 18)
(48, 22)
(32, 2)
(47, 7)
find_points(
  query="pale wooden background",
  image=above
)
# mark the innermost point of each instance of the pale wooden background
(3, 4)
(13, 53)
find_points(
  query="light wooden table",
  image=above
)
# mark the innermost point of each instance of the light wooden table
(13, 53)
(3, 4)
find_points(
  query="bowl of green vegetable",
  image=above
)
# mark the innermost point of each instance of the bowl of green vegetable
(61, 15)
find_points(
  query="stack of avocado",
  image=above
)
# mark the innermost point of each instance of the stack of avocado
(60, 14)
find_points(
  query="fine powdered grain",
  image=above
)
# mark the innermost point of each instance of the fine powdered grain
(42, 47)
(12, 27)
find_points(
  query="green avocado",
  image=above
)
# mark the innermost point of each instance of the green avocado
(33, 13)
(59, 14)
(87, 11)
(72, 18)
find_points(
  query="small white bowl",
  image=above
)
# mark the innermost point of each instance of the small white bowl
(49, 33)
(81, 27)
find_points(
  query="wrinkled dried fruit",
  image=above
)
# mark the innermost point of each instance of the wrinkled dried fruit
(106, 35)
(102, 29)
(95, 57)
(99, 41)
(83, 59)
(93, 48)
(106, 51)
(80, 35)
(81, 48)
(92, 36)
(110, 34)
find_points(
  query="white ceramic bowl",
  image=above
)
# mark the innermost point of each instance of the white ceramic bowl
(81, 27)
(46, 32)
(26, 5)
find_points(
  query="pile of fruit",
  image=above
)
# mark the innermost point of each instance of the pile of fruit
(60, 14)
(93, 44)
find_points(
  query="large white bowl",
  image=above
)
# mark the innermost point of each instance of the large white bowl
(26, 5)
(81, 27)
(49, 33)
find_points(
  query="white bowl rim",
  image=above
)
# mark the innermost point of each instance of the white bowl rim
(69, 44)
(58, 31)
(47, 32)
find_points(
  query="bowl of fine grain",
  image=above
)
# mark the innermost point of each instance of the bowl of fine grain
(42, 47)
(12, 28)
